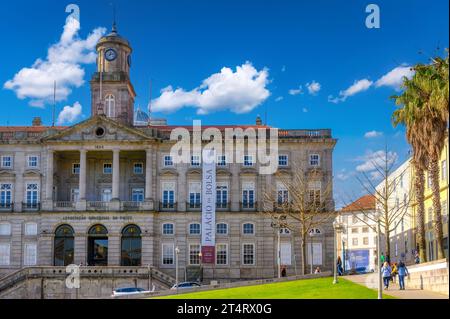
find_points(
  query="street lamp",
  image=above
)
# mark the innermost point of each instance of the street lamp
(311, 255)
(200, 256)
(337, 229)
(177, 251)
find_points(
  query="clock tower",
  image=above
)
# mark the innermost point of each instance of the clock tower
(111, 89)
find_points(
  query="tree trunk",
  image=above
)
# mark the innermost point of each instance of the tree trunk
(433, 170)
(303, 252)
(419, 183)
(387, 243)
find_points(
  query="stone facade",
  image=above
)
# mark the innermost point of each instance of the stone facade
(105, 171)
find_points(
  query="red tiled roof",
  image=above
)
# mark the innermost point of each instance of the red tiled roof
(366, 202)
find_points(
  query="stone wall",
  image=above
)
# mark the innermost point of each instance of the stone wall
(431, 276)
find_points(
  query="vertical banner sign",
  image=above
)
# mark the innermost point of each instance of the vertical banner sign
(209, 207)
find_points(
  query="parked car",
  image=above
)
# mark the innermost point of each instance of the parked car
(129, 291)
(184, 285)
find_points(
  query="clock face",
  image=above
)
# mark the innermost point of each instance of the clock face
(110, 55)
(129, 60)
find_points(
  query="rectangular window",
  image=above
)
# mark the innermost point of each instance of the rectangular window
(366, 241)
(168, 161)
(195, 190)
(30, 254)
(286, 254)
(168, 252)
(314, 160)
(365, 229)
(316, 253)
(5, 196)
(32, 195)
(6, 162)
(283, 160)
(30, 229)
(444, 211)
(76, 168)
(74, 195)
(248, 254)
(138, 168)
(106, 195)
(137, 195)
(107, 168)
(195, 161)
(195, 229)
(33, 161)
(315, 193)
(222, 229)
(355, 242)
(248, 229)
(248, 195)
(168, 229)
(5, 251)
(222, 196)
(168, 199)
(5, 229)
(248, 160)
(355, 230)
(221, 254)
(283, 195)
(221, 160)
(194, 254)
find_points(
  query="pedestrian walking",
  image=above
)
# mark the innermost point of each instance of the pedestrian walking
(402, 273)
(339, 266)
(386, 274)
(417, 258)
(394, 272)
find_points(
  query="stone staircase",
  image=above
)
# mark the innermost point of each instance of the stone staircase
(95, 282)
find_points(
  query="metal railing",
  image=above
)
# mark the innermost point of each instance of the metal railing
(6, 207)
(168, 207)
(63, 204)
(194, 207)
(131, 205)
(221, 206)
(249, 206)
(98, 205)
(27, 206)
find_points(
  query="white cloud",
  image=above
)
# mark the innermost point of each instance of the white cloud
(372, 160)
(314, 87)
(373, 134)
(278, 99)
(394, 78)
(343, 175)
(63, 65)
(283, 69)
(240, 92)
(69, 114)
(296, 91)
(355, 88)
(305, 110)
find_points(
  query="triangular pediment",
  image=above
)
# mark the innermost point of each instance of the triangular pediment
(7, 173)
(98, 128)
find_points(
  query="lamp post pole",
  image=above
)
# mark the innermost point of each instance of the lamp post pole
(337, 229)
(200, 279)
(279, 252)
(177, 251)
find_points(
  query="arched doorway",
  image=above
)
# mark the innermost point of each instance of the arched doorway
(98, 246)
(63, 246)
(131, 246)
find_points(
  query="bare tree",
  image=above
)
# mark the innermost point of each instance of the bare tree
(302, 200)
(390, 209)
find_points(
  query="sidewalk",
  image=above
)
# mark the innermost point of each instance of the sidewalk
(370, 281)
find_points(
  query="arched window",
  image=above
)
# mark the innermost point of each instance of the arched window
(131, 246)
(110, 105)
(64, 246)
(98, 246)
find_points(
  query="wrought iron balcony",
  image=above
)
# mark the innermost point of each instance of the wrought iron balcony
(248, 206)
(6, 207)
(194, 207)
(31, 206)
(223, 206)
(168, 207)
(131, 205)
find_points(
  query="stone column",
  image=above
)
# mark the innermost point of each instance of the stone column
(149, 175)
(48, 201)
(116, 175)
(81, 205)
(235, 187)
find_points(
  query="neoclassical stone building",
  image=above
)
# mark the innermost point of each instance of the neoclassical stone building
(106, 192)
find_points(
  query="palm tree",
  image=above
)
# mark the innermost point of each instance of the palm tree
(411, 116)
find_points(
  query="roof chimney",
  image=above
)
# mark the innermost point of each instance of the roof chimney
(37, 121)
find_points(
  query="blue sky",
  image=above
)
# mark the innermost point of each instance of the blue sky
(288, 44)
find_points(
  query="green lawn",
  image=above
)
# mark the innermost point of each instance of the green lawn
(321, 288)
